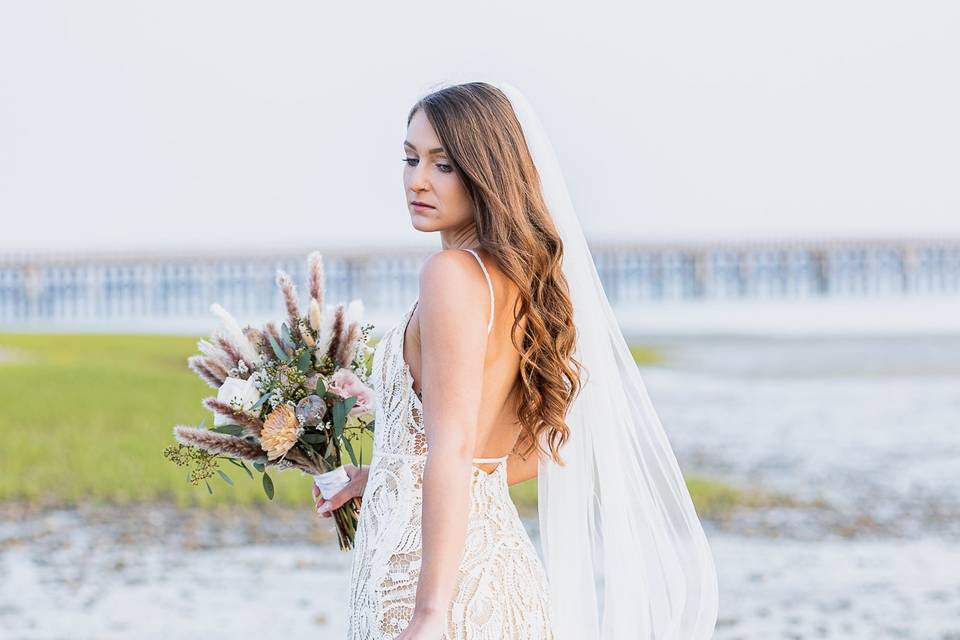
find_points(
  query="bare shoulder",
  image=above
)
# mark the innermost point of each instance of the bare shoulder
(452, 284)
(448, 269)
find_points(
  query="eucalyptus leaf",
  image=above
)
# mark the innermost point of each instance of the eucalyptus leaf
(280, 353)
(344, 409)
(349, 402)
(303, 363)
(263, 398)
(321, 388)
(229, 429)
(225, 477)
(209, 488)
(314, 438)
(268, 486)
(259, 466)
(202, 422)
(285, 335)
(339, 417)
(349, 446)
(240, 464)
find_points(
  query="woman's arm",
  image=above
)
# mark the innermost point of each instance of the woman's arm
(453, 317)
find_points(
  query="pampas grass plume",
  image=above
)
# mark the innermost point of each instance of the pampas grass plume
(348, 344)
(314, 314)
(233, 353)
(325, 332)
(236, 334)
(290, 300)
(215, 367)
(355, 310)
(335, 331)
(219, 443)
(244, 418)
(315, 261)
(214, 352)
(196, 363)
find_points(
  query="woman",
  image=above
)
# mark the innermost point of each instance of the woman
(486, 367)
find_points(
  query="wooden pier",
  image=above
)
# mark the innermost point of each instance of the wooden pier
(69, 288)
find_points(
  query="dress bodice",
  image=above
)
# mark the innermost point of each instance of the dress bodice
(501, 589)
(399, 411)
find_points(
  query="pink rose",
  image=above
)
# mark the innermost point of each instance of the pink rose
(345, 383)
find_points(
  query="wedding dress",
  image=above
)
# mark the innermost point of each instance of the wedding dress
(501, 588)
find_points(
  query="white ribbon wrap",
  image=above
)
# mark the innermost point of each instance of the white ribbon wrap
(331, 482)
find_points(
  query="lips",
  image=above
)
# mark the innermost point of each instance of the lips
(422, 204)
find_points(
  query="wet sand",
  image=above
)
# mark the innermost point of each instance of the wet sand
(162, 572)
(861, 436)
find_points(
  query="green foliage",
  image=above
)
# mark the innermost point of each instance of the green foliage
(304, 361)
(202, 464)
(268, 485)
(278, 351)
(86, 418)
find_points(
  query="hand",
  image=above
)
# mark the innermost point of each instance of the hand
(353, 489)
(424, 627)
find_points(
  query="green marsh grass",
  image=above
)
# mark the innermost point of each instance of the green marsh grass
(86, 418)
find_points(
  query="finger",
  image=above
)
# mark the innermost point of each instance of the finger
(338, 499)
(315, 490)
(333, 502)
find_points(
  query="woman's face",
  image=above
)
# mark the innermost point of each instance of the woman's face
(430, 178)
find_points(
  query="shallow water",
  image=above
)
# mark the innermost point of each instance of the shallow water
(871, 426)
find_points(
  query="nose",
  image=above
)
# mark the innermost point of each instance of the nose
(418, 178)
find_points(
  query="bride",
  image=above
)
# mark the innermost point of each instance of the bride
(509, 365)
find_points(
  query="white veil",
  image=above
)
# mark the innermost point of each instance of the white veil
(624, 550)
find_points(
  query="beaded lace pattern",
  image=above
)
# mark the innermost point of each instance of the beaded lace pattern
(501, 587)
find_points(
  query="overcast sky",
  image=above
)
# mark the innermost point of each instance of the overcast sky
(279, 124)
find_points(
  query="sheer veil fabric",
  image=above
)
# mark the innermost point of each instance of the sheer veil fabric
(624, 551)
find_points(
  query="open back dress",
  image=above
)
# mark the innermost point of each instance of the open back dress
(501, 587)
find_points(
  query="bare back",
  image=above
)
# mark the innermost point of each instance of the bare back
(497, 425)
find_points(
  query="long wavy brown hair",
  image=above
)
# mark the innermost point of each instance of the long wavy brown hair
(483, 139)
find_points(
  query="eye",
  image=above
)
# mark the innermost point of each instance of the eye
(444, 168)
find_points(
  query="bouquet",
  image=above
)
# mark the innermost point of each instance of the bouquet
(297, 397)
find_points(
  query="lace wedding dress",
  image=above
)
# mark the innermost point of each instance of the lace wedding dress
(501, 588)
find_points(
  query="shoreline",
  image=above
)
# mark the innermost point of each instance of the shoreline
(101, 573)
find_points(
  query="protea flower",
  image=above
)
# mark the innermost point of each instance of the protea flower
(280, 431)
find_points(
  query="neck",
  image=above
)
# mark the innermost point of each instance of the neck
(464, 237)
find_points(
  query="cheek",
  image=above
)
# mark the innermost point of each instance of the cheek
(456, 196)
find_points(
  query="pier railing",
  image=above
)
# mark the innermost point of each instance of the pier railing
(68, 288)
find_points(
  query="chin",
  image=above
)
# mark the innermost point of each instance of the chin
(418, 223)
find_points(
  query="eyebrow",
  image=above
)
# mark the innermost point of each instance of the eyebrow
(435, 150)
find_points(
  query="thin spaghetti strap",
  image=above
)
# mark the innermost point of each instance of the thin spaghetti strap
(489, 284)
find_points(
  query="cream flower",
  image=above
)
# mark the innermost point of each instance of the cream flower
(241, 394)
